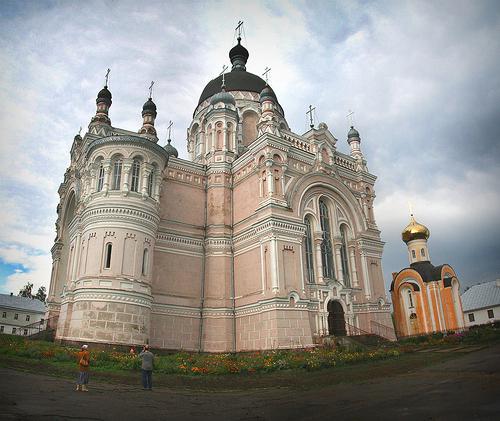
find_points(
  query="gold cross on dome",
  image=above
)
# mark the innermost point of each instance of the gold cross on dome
(238, 28)
(169, 128)
(266, 73)
(224, 68)
(151, 89)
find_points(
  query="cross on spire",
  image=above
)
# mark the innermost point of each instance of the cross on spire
(266, 73)
(80, 131)
(350, 118)
(107, 77)
(238, 29)
(169, 128)
(410, 207)
(224, 68)
(151, 89)
(310, 112)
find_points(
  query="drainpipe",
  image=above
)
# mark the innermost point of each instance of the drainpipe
(203, 258)
(233, 289)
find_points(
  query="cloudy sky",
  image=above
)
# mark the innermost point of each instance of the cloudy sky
(422, 77)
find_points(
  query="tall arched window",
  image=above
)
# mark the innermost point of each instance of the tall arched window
(136, 170)
(117, 175)
(100, 177)
(145, 257)
(410, 299)
(107, 256)
(150, 183)
(309, 251)
(326, 244)
(344, 256)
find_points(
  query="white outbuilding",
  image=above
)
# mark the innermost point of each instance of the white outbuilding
(18, 315)
(481, 303)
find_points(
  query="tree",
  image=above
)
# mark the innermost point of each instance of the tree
(26, 291)
(41, 294)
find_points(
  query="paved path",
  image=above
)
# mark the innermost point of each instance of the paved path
(464, 388)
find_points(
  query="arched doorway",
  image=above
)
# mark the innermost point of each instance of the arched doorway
(336, 320)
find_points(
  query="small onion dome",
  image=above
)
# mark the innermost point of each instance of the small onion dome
(77, 138)
(149, 107)
(171, 151)
(353, 134)
(415, 231)
(239, 56)
(224, 97)
(267, 94)
(104, 96)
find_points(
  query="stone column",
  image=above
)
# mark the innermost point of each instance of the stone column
(127, 166)
(147, 169)
(338, 260)
(106, 164)
(225, 138)
(318, 239)
(270, 178)
(274, 265)
(354, 272)
(364, 267)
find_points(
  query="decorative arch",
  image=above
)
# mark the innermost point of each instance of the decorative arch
(249, 122)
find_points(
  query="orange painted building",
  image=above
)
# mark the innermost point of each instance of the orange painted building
(425, 297)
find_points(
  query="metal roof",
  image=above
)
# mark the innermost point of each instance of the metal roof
(481, 296)
(21, 303)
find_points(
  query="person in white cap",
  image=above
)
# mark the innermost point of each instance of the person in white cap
(83, 366)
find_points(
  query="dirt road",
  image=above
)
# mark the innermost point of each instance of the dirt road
(462, 388)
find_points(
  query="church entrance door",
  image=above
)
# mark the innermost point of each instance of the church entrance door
(336, 320)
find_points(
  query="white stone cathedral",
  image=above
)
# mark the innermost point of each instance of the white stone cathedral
(264, 239)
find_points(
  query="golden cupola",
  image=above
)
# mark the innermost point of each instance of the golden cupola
(415, 231)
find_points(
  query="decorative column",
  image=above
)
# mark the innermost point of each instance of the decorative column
(147, 169)
(274, 264)
(94, 173)
(270, 178)
(127, 166)
(364, 267)
(225, 138)
(318, 239)
(354, 272)
(338, 259)
(106, 164)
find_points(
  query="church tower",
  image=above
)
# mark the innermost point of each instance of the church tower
(425, 297)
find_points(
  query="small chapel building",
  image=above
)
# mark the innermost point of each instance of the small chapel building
(264, 238)
(425, 297)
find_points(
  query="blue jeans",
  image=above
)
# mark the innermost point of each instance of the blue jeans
(147, 379)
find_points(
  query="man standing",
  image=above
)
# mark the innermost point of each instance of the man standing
(147, 368)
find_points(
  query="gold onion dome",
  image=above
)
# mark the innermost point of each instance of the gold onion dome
(415, 231)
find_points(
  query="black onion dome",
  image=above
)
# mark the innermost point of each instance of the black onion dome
(149, 107)
(234, 81)
(267, 93)
(353, 133)
(238, 56)
(171, 151)
(104, 95)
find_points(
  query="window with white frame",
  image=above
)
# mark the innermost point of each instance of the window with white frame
(326, 244)
(145, 256)
(25, 331)
(14, 330)
(344, 255)
(117, 175)
(100, 177)
(4, 314)
(27, 317)
(471, 317)
(2, 328)
(150, 183)
(107, 255)
(309, 251)
(136, 169)
(491, 315)
(16, 316)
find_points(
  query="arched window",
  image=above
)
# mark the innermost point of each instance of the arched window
(107, 256)
(136, 169)
(344, 256)
(249, 127)
(145, 257)
(422, 252)
(117, 175)
(309, 251)
(410, 299)
(100, 177)
(326, 244)
(150, 183)
(413, 254)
